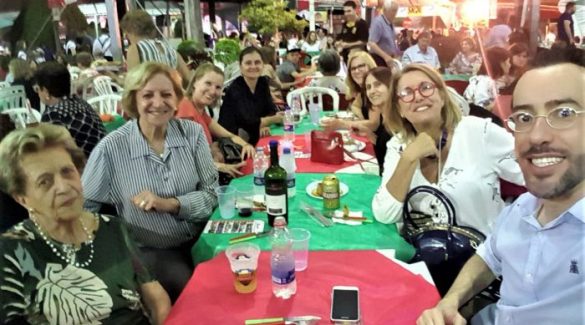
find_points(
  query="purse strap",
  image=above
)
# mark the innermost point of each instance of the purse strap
(434, 192)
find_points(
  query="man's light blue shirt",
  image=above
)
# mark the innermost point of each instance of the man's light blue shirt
(542, 267)
(382, 33)
(414, 54)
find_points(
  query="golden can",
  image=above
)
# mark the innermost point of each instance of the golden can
(331, 193)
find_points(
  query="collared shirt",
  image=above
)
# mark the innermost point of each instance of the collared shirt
(382, 33)
(158, 51)
(122, 165)
(414, 55)
(79, 118)
(542, 267)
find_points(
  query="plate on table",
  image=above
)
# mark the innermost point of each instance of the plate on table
(312, 189)
(354, 145)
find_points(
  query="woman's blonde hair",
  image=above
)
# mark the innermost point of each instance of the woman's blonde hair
(18, 143)
(201, 71)
(395, 123)
(353, 89)
(139, 23)
(138, 77)
(20, 69)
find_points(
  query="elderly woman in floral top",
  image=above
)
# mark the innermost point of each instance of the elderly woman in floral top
(467, 61)
(65, 265)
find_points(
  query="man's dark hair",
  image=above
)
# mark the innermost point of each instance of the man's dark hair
(558, 56)
(46, 75)
(570, 5)
(329, 62)
(350, 3)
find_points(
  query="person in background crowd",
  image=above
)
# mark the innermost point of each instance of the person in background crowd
(499, 33)
(422, 52)
(311, 43)
(543, 227)
(467, 61)
(382, 36)
(354, 33)
(329, 65)
(21, 50)
(23, 76)
(62, 108)
(289, 72)
(405, 39)
(169, 193)
(247, 103)
(204, 91)
(102, 45)
(269, 58)
(88, 257)
(434, 145)
(322, 34)
(490, 79)
(86, 71)
(519, 57)
(145, 47)
(566, 26)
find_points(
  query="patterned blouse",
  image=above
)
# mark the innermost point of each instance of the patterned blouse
(467, 65)
(38, 287)
(79, 118)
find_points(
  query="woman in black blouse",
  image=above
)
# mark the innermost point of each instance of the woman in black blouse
(247, 103)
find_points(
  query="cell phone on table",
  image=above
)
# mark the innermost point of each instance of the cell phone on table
(345, 304)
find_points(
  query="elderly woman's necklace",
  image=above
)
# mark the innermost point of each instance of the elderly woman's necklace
(69, 251)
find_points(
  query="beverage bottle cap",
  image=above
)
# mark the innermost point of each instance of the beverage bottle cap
(286, 150)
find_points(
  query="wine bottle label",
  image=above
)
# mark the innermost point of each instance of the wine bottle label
(276, 204)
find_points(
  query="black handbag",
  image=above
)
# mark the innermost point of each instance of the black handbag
(444, 247)
(232, 154)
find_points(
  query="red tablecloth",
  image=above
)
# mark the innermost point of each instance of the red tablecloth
(305, 165)
(389, 294)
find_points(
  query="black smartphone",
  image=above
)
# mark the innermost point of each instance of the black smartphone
(345, 304)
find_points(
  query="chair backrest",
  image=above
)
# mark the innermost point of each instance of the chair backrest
(12, 97)
(102, 85)
(4, 84)
(106, 104)
(308, 93)
(458, 85)
(21, 117)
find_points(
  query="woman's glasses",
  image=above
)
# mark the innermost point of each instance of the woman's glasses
(558, 118)
(358, 67)
(425, 89)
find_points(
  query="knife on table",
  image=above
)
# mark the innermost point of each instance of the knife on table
(284, 320)
(316, 215)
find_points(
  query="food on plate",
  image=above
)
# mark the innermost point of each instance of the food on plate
(318, 190)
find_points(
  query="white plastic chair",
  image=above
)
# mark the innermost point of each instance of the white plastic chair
(102, 85)
(12, 97)
(106, 104)
(459, 100)
(308, 93)
(4, 84)
(21, 117)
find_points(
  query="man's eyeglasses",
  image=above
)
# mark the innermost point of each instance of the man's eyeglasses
(425, 89)
(559, 118)
(358, 67)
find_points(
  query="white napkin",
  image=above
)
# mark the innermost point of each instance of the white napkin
(339, 214)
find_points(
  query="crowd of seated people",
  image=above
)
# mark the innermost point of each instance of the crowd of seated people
(157, 208)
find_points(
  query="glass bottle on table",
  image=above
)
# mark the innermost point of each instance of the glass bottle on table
(282, 261)
(275, 187)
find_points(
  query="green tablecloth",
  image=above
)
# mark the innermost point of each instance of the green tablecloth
(338, 237)
(116, 123)
(462, 77)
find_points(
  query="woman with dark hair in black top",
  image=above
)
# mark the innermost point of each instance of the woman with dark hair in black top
(247, 103)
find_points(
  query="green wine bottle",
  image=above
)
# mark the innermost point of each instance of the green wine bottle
(276, 189)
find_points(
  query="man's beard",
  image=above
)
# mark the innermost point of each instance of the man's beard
(574, 176)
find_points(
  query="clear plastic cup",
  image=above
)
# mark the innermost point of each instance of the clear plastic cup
(226, 195)
(315, 113)
(243, 260)
(300, 238)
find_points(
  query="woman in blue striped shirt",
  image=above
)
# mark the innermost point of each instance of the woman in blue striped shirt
(158, 173)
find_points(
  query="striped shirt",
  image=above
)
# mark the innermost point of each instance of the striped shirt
(158, 51)
(123, 165)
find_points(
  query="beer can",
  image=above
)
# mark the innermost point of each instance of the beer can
(331, 193)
